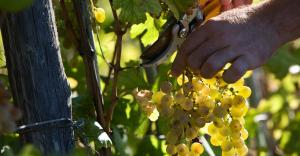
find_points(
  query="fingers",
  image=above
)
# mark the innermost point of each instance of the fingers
(238, 68)
(226, 4)
(199, 55)
(191, 43)
(216, 62)
(237, 3)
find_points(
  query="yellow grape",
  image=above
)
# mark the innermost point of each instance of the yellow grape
(187, 105)
(218, 122)
(244, 134)
(235, 125)
(171, 149)
(220, 111)
(197, 85)
(225, 131)
(99, 14)
(228, 153)
(182, 149)
(191, 133)
(212, 129)
(199, 122)
(214, 141)
(244, 91)
(179, 98)
(226, 145)
(239, 101)
(226, 102)
(242, 151)
(182, 79)
(238, 142)
(202, 111)
(197, 148)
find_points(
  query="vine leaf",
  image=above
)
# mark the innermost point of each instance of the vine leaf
(151, 32)
(14, 5)
(134, 11)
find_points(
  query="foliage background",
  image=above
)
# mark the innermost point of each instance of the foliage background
(273, 121)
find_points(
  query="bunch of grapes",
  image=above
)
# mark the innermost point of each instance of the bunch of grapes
(8, 114)
(198, 104)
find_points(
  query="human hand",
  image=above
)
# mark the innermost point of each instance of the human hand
(237, 36)
(230, 4)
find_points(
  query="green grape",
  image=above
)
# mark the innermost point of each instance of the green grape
(171, 149)
(220, 112)
(182, 149)
(166, 87)
(235, 126)
(197, 148)
(235, 135)
(237, 112)
(157, 96)
(226, 145)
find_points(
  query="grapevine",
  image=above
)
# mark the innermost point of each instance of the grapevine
(198, 105)
(8, 114)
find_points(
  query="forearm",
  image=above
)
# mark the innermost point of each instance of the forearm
(283, 16)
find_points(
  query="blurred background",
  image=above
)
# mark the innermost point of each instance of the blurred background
(273, 122)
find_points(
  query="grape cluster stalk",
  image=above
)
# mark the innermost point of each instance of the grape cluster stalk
(200, 105)
(8, 113)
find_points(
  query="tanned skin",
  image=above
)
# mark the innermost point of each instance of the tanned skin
(246, 36)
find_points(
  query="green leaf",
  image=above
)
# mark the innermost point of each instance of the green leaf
(14, 5)
(151, 33)
(29, 150)
(134, 11)
(178, 7)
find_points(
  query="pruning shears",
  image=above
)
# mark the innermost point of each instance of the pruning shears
(176, 32)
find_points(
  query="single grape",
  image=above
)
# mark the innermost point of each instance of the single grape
(179, 98)
(238, 142)
(226, 145)
(212, 129)
(182, 149)
(172, 137)
(242, 151)
(199, 122)
(197, 148)
(220, 111)
(214, 141)
(244, 91)
(187, 105)
(218, 122)
(202, 111)
(239, 101)
(226, 102)
(229, 153)
(225, 131)
(244, 134)
(191, 133)
(171, 149)
(166, 87)
(235, 126)
(99, 14)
